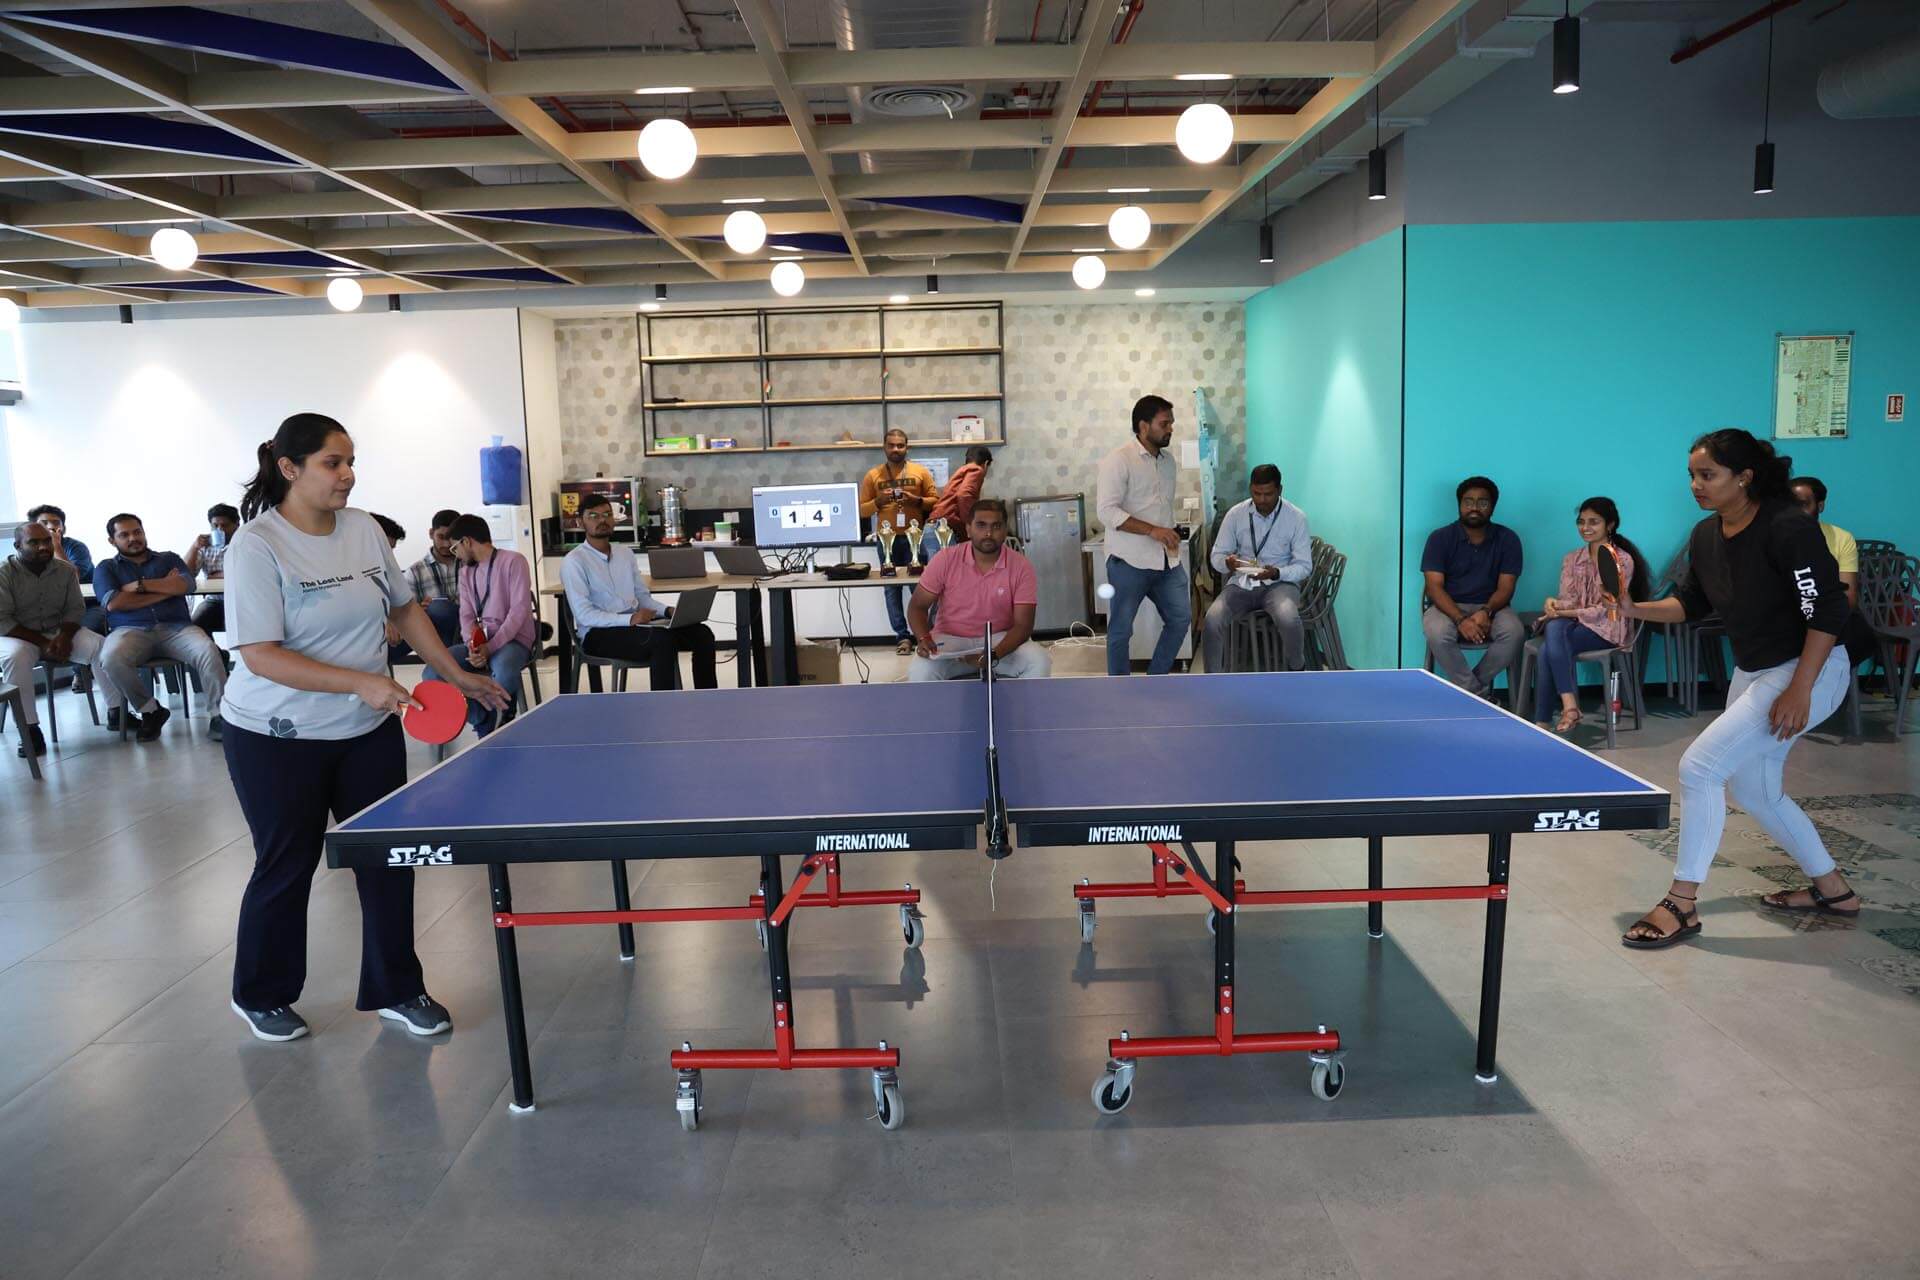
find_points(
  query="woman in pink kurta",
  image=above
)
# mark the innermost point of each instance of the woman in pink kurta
(1580, 618)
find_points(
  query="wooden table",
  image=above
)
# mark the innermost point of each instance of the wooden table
(782, 652)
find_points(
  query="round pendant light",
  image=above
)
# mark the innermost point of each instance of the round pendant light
(1204, 132)
(667, 149)
(744, 231)
(1129, 226)
(1089, 272)
(787, 278)
(344, 293)
(174, 248)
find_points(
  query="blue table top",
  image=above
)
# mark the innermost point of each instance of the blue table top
(750, 757)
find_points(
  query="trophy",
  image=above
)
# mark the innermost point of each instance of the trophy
(913, 549)
(944, 532)
(887, 539)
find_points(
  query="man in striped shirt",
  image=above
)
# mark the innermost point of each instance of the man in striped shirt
(436, 579)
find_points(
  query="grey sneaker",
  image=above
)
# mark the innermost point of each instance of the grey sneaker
(272, 1024)
(422, 1015)
(214, 728)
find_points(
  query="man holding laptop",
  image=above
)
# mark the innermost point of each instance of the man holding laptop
(614, 614)
(983, 583)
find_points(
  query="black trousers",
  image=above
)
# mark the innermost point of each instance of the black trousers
(286, 788)
(660, 649)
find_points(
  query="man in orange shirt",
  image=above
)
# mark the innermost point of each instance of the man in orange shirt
(896, 495)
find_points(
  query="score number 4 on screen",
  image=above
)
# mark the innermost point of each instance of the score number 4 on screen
(804, 515)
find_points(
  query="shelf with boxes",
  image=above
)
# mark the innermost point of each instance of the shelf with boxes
(879, 363)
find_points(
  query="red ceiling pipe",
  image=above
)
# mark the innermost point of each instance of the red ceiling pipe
(1126, 29)
(1732, 29)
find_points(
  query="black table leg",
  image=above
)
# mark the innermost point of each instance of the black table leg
(775, 888)
(510, 1002)
(1375, 928)
(743, 609)
(1223, 874)
(623, 901)
(565, 644)
(758, 630)
(1499, 854)
(782, 657)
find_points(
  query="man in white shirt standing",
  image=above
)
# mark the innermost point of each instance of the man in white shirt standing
(1137, 483)
(611, 607)
(1267, 552)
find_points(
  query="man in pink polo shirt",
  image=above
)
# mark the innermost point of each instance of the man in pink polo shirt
(984, 582)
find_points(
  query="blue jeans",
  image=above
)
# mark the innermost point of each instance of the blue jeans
(1167, 588)
(445, 616)
(897, 596)
(504, 663)
(1556, 674)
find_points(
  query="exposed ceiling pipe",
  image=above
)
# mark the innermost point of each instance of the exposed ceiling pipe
(1695, 48)
(1876, 84)
(886, 24)
(1120, 37)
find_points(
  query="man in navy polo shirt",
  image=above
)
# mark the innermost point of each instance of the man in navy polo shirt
(1471, 567)
(145, 595)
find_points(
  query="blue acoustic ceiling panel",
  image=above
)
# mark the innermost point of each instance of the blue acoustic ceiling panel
(962, 206)
(286, 258)
(196, 286)
(526, 275)
(147, 133)
(183, 27)
(800, 241)
(587, 217)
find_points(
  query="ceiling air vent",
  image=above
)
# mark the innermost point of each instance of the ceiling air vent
(918, 101)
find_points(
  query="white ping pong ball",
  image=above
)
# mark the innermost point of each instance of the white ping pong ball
(1104, 591)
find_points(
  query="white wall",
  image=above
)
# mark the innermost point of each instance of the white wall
(162, 418)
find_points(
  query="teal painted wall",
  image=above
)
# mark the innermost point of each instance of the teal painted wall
(1566, 360)
(1323, 404)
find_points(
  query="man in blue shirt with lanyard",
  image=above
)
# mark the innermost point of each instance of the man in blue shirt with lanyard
(1265, 552)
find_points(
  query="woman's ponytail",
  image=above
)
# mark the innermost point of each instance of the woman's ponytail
(297, 437)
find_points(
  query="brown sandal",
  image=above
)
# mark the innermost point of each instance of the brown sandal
(1569, 721)
(1662, 938)
(1821, 904)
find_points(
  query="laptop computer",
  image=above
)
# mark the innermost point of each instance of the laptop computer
(741, 562)
(691, 611)
(676, 562)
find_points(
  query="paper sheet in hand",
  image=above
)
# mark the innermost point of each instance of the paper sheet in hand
(955, 646)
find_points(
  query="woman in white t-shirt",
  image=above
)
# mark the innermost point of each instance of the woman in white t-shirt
(311, 729)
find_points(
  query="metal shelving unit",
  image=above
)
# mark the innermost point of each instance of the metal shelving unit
(763, 359)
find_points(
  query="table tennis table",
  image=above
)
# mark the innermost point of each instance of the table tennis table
(1162, 762)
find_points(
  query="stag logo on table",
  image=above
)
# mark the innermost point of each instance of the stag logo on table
(1568, 820)
(424, 855)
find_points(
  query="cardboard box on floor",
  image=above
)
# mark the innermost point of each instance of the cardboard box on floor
(816, 663)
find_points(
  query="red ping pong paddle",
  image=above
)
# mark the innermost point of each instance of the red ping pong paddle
(441, 714)
(1612, 564)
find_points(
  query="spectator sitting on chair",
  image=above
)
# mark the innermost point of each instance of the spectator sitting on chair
(207, 557)
(145, 594)
(1470, 567)
(962, 491)
(1580, 618)
(1264, 544)
(40, 612)
(611, 605)
(981, 584)
(496, 614)
(1811, 497)
(436, 584)
(74, 552)
(1143, 549)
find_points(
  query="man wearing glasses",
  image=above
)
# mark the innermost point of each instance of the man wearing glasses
(1470, 567)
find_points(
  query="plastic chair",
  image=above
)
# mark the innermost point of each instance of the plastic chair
(1623, 661)
(1890, 599)
(12, 699)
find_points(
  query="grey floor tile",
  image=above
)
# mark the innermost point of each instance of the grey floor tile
(53, 1010)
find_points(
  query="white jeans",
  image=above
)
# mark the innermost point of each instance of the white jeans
(1739, 753)
(128, 647)
(1029, 662)
(18, 659)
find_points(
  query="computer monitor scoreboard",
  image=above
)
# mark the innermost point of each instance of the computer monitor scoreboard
(807, 515)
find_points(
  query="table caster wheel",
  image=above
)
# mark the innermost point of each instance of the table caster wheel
(1114, 1089)
(913, 926)
(760, 931)
(687, 1100)
(1329, 1076)
(1087, 923)
(889, 1107)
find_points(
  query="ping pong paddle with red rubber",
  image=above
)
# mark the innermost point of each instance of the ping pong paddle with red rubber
(441, 714)
(1612, 564)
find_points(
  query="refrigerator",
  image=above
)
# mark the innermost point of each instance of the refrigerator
(1051, 530)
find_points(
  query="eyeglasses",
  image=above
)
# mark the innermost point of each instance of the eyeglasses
(1477, 503)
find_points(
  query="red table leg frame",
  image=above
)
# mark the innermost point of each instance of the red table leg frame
(882, 1060)
(835, 896)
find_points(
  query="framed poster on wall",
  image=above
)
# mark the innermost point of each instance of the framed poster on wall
(1812, 379)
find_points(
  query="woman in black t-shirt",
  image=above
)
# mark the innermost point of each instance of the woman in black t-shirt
(1762, 565)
